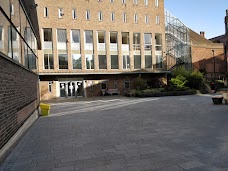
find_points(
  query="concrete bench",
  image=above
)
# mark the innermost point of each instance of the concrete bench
(110, 92)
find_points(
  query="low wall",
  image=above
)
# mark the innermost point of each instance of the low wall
(19, 97)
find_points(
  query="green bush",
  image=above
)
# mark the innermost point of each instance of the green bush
(139, 84)
(181, 71)
(179, 82)
(195, 80)
(153, 90)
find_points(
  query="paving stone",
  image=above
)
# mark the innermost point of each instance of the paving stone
(191, 164)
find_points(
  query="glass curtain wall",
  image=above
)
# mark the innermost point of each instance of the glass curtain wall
(177, 42)
(17, 39)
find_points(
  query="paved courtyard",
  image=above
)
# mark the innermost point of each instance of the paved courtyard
(127, 134)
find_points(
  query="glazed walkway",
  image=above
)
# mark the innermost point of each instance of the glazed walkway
(127, 134)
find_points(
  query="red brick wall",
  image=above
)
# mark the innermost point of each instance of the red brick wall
(18, 97)
(202, 58)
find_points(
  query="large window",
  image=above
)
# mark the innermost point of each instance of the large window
(89, 61)
(126, 62)
(136, 41)
(88, 37)
(62, 50)
(47, 34)
(148, 61)
(77, 63)
(48, 61)
(148, 41)
(114, 62)
(102, 61)
(63, 61)
(125, 38)
(113, 37)
(158, 50)
(101, 36)
(137, 61)
(61, 34)
(75, 36)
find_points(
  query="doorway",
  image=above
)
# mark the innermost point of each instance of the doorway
(71, 88)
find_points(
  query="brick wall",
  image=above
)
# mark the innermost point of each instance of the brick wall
(18, 97)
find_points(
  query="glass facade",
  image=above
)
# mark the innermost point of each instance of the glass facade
(177, 42)
(17, 36)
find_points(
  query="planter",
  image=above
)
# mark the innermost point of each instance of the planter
(217, 99)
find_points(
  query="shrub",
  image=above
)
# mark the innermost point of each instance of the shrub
(180, 71)
(195, 80)
(139, 84)
(179, 82)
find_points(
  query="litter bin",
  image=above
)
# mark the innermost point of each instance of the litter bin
(45, 109)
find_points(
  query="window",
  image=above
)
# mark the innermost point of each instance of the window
(113, 37)
(126, 62)
(146, 19)
(114, 62)
(89, 61)
(11, 9)
(111, 1)
(102, 62)
(88, 37)
(147, 41)
(146, 2)
(156, 3)
(47, 34)
(135, 18)
(87, 15)
(123, 1)
(76, 59)
(75, 36)
(157, 20)
(48, 61)
(103, 85)
(63, 61)
(45, 12)
(100, 16)
(148, 61)
(74, 14)
(137, 61)
(125, 38)
(49, 86)
(136, 41)
(60, 13)
(112, 16)
(135, 2)
(115, 84)
(101, 36)
(158, 50)
(61, 34)
(126, 84)
(124, 17)
(1, 31)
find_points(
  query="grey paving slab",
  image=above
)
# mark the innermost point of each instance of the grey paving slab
(135, 134)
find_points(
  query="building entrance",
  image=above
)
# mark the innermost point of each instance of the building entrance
(71, 88)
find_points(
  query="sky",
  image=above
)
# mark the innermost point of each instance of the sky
(200, 15)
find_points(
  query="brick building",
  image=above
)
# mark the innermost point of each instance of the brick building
(19, 95)
(88, 46)
(223, 39)
(207, 56)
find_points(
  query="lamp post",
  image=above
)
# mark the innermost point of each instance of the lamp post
(214, 61)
